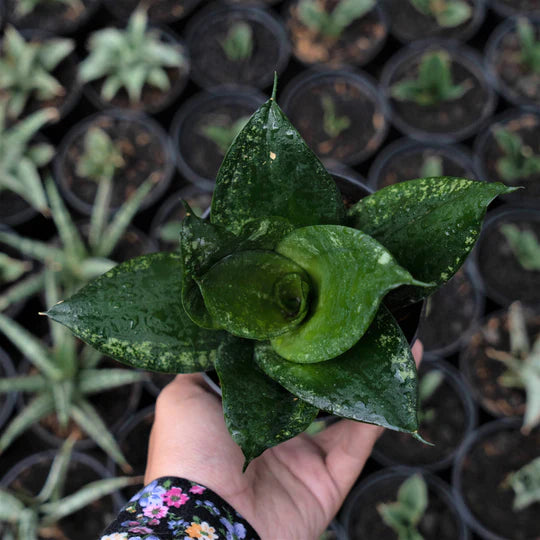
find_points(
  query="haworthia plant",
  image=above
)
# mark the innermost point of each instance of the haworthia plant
(333, 124)
(526, 484)
(530, 45)
(447, 13)
(524, 244)
(223, 135)
(282, 291)
(26, 69)
(30, 517)
(238, 45)
(518, 160)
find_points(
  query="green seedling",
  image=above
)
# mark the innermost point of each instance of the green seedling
(332, 24)
(522, 364)
(526, 485)
(524, 245)
(63, 380)
(427, 387)
(12, 269)
(281, 291)
(129, 59)
(530, 46)
(404, 515)
(447, 13)
(433, 85)
(26, 69)
(223, 135)
(31, 517)
(238, 45)
(518, 159)
(432, 167)
(333, 124)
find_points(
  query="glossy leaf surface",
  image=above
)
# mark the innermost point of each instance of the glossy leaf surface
(429, 225)
(270, 171)
(373, 382)
(259, 412)
(256, 294)
(350, 273)
(134, 314)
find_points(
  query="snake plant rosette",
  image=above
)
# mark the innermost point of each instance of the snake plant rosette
(283, 291)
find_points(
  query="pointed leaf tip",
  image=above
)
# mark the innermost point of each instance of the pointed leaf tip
(419, 437)
(274, 88)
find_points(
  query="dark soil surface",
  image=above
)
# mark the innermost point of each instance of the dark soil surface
(86, 524)
(409, 24)
(56, 17)
(449, 116)
(201, 154)
(438, 523)
(485, 470)
(158, 10)
(483, 372)
(367, 124)
(444, 426)
(407, 165)
(212, 67)
(527, 126)
(499, 267)
(520, 81)
(356, 45)
(449, 313)
(142, 151)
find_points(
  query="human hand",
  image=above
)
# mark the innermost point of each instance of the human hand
(292, 490)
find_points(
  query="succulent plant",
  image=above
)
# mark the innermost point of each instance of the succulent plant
(434, 83)
(223, 135)
(63, 381)
(526, 484)
(530, 46)
(431, 167)
(20, 158)
(522, 364)
(404, 515)
(427, 386)
(25, 7)
(31, 517)
(26, 67)
(12, 269)
(525, 246)
(281, 291)
(518, 159)
(333, 124)
(332, 24)
(130, 59)
(447, 13)
(238, 45)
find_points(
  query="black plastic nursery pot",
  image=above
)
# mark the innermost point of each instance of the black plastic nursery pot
(453, 418)
(409, 24)
(483, 372)
(113, 406)
(487, 154)
(480, 477)
(7, 400)
(211, 66)
(448, 121)
(57, 17)
(360, 41)
(198, 156)
(507, 8)
(65, 73)
(28, 477)
(316, 102)
(146, 151)
(403, 160)
(153, 100)
(159, 11)
(451, 312)
(362, 521)
(517, 82)
(503, 277)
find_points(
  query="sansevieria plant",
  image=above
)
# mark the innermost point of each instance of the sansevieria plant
(281, 291)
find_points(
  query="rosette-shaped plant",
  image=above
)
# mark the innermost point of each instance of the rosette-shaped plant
(281, 290)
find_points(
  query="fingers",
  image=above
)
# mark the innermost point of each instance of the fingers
(417, 351)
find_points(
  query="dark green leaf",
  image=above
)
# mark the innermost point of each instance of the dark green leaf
(270, 171)
(429, 225)
(256, 294)
(258, 411)
(373, 382)
(350, 273)
(134, 313)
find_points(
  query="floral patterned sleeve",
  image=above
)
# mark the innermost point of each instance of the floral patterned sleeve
(171, 508)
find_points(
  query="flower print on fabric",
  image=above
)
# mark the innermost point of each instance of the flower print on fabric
(170, 508)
